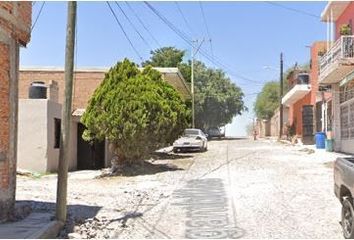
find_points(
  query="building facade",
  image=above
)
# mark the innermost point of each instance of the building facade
(82, 154)
(308, 103)
(337, 71)
(15, 28)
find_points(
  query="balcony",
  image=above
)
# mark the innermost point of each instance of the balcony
(338, 61)
(297, 90)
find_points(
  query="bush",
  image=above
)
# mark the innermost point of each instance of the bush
(136, 111)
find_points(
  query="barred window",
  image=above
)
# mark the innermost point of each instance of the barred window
(344, 121)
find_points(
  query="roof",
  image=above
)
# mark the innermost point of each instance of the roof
(174, 78)
(336, 7)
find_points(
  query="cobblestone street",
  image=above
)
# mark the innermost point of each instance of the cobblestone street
(237, 189)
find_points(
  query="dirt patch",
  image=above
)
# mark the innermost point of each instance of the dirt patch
(143, 168)
(329, 164)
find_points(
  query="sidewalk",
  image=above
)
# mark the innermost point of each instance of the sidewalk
(36, 225)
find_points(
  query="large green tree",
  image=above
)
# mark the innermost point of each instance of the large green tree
(136, 111)
(217, 99)
(165, 57)
(267, 100)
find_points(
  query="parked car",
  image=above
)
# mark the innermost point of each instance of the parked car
(192, 139)
(344, 191)
(215, 132)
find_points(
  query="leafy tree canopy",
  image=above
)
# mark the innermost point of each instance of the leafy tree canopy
(267, 100)
(217, 99)
(165, 57)
(136, 110)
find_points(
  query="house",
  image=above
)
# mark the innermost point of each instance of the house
(336, 71)
(15, 31)
(39, 131)
(308, 104)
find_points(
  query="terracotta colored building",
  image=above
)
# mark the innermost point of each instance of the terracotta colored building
(15, 28)
(308, 104)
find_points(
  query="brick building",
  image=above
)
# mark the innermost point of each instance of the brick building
(37, 149)
(15, 26)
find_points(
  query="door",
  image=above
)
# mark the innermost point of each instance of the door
(307, 124)
(89, 156)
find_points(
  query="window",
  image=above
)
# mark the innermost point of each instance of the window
(57, 127)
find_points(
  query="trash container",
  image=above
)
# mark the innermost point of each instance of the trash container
(329, 145)
(320, 139)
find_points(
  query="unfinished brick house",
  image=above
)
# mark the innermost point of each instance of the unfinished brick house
(15, 27)
(39, 131)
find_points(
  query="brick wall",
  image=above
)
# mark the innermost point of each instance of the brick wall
(15, 25)
(85, 83)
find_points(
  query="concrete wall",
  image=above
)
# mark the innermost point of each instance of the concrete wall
(15, 28)
(347, 17)
(36, 137)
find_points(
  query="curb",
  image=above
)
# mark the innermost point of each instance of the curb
(50, 230)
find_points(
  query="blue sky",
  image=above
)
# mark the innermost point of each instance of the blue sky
(246, 36)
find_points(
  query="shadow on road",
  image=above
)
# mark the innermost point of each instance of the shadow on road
(227, 139)
(170, 156)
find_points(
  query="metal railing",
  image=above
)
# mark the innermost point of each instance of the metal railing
(301, 79)
(342, 48)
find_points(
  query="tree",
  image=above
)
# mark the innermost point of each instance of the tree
(165, 57)
(217, 99)
(136, 111)
(267, 100)
(170, 57)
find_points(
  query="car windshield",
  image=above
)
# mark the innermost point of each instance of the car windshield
(190, 132)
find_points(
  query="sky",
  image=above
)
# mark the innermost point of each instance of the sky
(246, 37)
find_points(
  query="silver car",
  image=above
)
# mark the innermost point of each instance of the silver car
(192, 139)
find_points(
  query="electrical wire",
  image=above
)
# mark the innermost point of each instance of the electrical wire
(125, 34)
(187, 39)
(132, 25)
(184, 18)
(207, 28)
(294, 10)
(38, 15)
(142, 24)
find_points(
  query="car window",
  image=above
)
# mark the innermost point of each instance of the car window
(191, 132)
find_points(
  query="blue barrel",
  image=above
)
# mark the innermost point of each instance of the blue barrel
(320, 139)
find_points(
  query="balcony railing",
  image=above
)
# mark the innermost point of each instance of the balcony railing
(301, 79)
(342, 49)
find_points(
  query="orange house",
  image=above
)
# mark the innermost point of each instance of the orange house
(308, 106)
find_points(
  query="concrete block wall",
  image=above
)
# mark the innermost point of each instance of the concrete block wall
(15, 25)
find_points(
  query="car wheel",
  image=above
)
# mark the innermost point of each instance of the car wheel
(347, 218)
(175, 150)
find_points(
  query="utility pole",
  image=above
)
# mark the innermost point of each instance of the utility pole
(62, 185)
(192, 78)
(281, 96)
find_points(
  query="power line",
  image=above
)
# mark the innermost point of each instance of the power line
(184, 18)
(207, 28)
(125, 34)
(38, 15)
(132, 25)
(187, 39)
(294, 9)
(142, 24)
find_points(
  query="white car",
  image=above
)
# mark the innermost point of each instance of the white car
(192, 139)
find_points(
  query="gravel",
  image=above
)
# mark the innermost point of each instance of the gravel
(272, 190)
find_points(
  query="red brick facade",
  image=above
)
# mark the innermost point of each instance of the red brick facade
(85, 83)
(15, 25)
